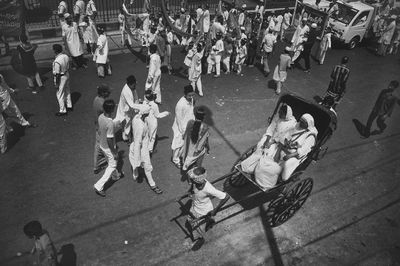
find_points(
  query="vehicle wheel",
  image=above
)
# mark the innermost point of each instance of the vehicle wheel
(287, 204)
(354, 42)
(244, 156)
(237, 179)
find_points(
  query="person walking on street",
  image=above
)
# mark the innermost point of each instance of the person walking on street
(61, 80)
(325, 45)
(387, 35)
(101, 55)
(108, 146)
(267, 47)
(339, 76)
(383, 109)
(152, 119)
(9, 108)
(195, 69)
(128, 103)
(154, 74)
(183, 114)
(70, 34)
(29, 68)
(307, 46)
(103, 92)
(280, 72)
(139, 154)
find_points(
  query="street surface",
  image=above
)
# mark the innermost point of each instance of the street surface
(351, 218)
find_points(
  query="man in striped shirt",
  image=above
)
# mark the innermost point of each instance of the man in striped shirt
(339, 76)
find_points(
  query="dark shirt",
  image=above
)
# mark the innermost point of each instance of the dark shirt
(312, 36)
(385, 103)
(339, 76)
(27, 59)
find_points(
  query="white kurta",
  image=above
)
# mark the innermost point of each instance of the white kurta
(102, 50)
(127, 101)
(206, 21)
(183, 114)
(152, 121)
(299, 35)
(71, 34)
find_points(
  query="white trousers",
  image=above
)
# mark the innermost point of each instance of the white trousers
(155, 87)
(64, 94)
(218, 64)
(198, 84)
(148, 168)
(38, 80)
(227, 61)
(111, 167)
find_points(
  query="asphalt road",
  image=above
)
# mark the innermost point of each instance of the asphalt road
(351, 218)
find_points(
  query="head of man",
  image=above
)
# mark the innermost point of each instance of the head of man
(344, 60)
(394, 84)
(150, 95)
(189, 93)
(109, 107)
(100, 30)
(57, 48)
(103, 91)
(131, 82)
(198, 176)
(33, 229)
(68, 18)
(153, 48)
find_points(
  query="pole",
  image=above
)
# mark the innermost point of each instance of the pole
(294, 13)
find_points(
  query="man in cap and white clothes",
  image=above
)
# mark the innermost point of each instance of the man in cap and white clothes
(103, 92)
(62, 9)
(154, 74)
(183, 114)
(387, 36)
(280, 72)
(242, 15)
(202, 191)
(300, 35)
(139, 155)
(307, 46)
(79, 10)
(108, 146)
(70, 33)
(128, 103)
(9, 108)
(101, 55)
(61, 80)
(267, 47)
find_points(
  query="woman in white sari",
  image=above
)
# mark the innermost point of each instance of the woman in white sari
(303, 139)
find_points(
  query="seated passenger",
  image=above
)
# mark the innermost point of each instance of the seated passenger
(303, 139)
(267, 172)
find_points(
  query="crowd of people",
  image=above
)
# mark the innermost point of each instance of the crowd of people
(234, 37)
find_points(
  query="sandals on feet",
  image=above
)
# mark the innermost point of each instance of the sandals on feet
(156, 189)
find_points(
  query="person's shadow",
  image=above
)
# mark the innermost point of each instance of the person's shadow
(68, 255)
(359, 126)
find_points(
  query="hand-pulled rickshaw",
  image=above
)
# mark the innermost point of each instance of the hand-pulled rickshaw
(290, 195)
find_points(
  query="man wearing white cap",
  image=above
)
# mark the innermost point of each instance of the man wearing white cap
(79, 10)
(307, 46)
(154, 74)
(202, 192)
(139, 155)
(70, 33)
(62, 9)
(300, 35)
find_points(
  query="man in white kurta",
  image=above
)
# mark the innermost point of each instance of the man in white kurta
(152, 119)
(101, 55)
(70, 34)
(139, 155)
(154, 75)
(219, 50)
(61, 80)
(206, 20)
(128, 103)
(183, 114)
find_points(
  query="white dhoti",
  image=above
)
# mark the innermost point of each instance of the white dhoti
(64, 93)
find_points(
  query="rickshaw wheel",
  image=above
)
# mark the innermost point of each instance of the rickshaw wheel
(287, 204)
(237, 179)
(245, 155)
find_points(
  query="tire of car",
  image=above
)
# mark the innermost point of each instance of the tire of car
(354, 42)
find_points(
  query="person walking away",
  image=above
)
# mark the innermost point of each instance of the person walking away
(11, 110)
(152, 119)
(139, 155)
(29, 68)
(325, 45)
(103, 92)
(61, 80)
(267, 47)
(202, 191)
(387, 36)
(79, 10)
(70, 33)
(280, 72)
(253, 44)
(128, 103)
(101, 55)
(339, 77)
(241, 56)
(44, 249)
(195, 141)
(89, 34)
(195, 69)
(226, 58)
(218, 49)
(285, 22)
(108, 146)
(307, 46)
(154, 74)
(183, 114)
(383, 109)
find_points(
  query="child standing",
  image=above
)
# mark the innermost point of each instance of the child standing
(44, 249)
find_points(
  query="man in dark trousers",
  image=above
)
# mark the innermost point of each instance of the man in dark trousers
(339, 76)
(311, 38)
(383, 109)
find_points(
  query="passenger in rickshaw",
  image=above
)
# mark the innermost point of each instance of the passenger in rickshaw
(302, 140)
